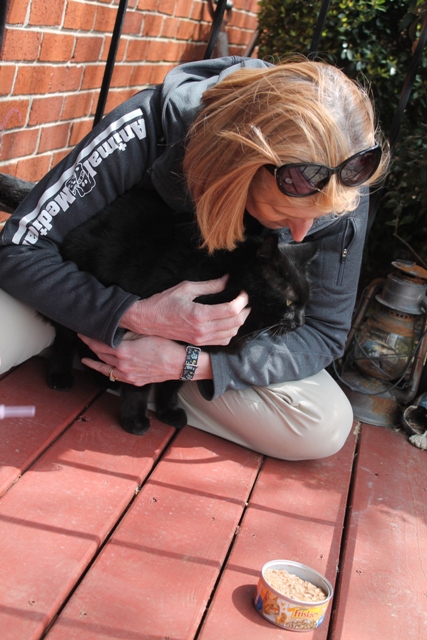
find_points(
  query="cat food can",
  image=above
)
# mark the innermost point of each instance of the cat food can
(292, 596)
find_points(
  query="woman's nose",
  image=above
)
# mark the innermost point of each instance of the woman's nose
(300, 228)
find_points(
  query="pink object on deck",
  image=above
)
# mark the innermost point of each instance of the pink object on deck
(17, 412)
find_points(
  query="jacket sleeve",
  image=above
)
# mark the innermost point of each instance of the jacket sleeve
(112, 158)
(334, 276)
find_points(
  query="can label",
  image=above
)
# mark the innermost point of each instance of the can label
(285, 613)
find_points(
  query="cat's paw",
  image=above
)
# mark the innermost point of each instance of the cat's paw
(174, 417)
(137, 426)
(60, 381)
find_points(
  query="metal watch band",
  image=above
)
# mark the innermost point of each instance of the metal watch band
(190, 364)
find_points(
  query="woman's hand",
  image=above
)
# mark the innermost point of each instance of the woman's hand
(173, 314)
(141, 360)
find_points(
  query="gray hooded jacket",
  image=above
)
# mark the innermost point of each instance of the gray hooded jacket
(142, 142)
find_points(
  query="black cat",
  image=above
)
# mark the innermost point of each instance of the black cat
(140, 244)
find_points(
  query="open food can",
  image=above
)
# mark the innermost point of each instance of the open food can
(292, 596)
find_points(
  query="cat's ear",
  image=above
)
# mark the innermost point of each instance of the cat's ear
(268, 246)
(304, 251)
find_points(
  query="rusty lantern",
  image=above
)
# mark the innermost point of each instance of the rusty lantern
(387, 346)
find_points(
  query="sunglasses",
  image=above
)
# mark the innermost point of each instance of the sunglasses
(302, 179)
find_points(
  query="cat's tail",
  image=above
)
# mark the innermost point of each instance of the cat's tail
(12, 192)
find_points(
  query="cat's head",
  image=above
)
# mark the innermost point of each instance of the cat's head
(278, 286)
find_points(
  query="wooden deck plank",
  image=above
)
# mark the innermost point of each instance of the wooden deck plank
(383, 586)
(154, 577)
(55, 518)
(296, 512)
(22, 440)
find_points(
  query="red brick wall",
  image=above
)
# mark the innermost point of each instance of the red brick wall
(53, 59)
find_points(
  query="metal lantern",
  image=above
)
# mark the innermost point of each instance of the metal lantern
(387, 346)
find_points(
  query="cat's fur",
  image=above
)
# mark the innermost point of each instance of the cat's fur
(140, 244)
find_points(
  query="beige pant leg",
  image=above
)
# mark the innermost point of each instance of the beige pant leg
(298, 420)
(23, 333)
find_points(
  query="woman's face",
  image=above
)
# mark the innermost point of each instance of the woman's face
(274, 210)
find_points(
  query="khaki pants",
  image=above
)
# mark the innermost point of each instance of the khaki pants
(298, 420)
(23, 333)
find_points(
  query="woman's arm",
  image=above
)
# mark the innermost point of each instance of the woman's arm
(162, 319)
(141, 360)
(110, 160)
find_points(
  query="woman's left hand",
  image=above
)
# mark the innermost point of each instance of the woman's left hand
(141, 360)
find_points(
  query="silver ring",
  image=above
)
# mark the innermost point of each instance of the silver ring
(111, 375)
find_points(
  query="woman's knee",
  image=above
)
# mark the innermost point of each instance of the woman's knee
(337, 421)
(302, 420)
(23, 333)
(316, 416)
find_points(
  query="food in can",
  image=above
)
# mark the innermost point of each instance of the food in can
(293, 596)
(292, 586)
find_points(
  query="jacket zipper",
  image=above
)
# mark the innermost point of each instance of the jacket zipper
(344, 253)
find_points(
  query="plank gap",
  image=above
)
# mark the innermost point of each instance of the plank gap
(344, 538)
(230, 550)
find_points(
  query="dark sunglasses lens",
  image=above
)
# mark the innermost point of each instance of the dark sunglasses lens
(302, 179)
(360, 168)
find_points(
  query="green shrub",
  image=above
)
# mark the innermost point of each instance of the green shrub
(374, 40)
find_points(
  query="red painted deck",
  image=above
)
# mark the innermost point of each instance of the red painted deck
(107, 535)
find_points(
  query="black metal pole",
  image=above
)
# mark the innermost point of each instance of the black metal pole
(216, 26)
(252, 44)
(314, 46)
(109, 67)
(3, 11)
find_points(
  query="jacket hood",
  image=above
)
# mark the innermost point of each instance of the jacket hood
(181, 101)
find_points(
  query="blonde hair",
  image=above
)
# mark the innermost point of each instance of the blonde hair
(295, 111)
